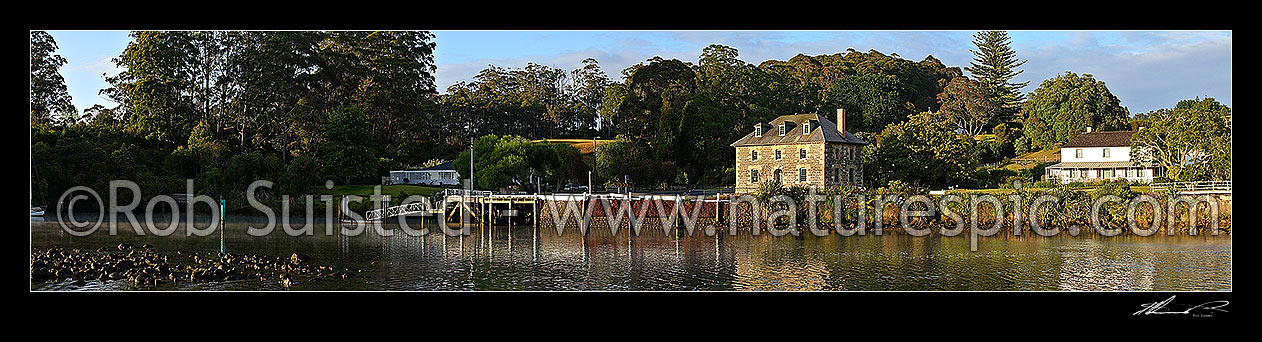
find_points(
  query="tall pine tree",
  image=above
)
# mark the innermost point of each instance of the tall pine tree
(994, 65)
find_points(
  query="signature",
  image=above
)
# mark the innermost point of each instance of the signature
(1164, 307)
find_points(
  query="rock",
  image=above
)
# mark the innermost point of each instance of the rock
(298, 258)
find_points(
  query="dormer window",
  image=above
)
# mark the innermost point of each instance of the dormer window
(806, 128)
(758, 130)
(782, 130)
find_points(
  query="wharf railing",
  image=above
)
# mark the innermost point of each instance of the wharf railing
(1202, 186)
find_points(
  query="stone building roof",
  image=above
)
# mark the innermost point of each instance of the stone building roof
(822, 130)
(1101, 139)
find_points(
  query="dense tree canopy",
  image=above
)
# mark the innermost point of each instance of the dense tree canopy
(1192, 140)
(48, 88)
(296, 107)
(964, 101)
(686, 115)
(1067, 105)
(534, 102)
(921, 151)
(272, 90)
(874, 88)
(299, 107)
(502, 161)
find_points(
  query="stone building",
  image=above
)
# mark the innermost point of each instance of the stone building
(799, 149)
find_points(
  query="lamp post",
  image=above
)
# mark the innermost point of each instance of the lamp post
(594, 161)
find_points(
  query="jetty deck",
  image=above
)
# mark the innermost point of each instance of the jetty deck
(486, 207)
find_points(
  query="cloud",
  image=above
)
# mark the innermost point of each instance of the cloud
(100, 66)
(1146, 71)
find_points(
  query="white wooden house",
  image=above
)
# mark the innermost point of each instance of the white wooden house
(441, 174)
(1095, 156)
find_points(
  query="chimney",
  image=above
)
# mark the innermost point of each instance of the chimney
(841, 121)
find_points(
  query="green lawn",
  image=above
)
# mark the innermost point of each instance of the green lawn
(1135, 188)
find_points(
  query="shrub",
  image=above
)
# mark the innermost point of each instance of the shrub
(1120, 188)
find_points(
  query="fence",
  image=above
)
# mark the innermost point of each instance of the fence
(1203, 186)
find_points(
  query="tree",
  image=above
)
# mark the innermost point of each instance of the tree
(588, 93)
(875, 100)
(1064, 106)
(995, 65)
(964, 101)
(502, 161)
(649, 95)
(389, 74)
(1192, 141)
(922, 151)
(346, 152)
(48, 87)
(805, 84)
(155, 89)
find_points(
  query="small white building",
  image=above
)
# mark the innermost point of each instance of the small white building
(441, 174)
(1095, 156)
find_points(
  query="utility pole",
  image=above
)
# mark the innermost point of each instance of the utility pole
(594, 161)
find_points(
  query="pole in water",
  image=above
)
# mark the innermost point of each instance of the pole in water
(222, 207)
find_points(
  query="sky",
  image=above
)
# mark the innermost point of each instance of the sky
(1147, 70)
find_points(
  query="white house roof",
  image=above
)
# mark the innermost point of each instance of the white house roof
(445, 166)
(1101, 139)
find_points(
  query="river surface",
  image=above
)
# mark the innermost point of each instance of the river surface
(525, 258)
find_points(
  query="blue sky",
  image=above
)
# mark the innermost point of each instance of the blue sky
(1145, 69)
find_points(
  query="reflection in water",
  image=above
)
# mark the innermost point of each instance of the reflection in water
(528, 258)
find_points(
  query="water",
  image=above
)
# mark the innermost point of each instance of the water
(523, 258)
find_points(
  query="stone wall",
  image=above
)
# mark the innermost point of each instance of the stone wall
(843, 160)
(822, 163)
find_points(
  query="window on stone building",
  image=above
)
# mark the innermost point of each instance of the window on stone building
(777, 154)
(802, 175)
(753, 155)
(753, 176)
(802, 153)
